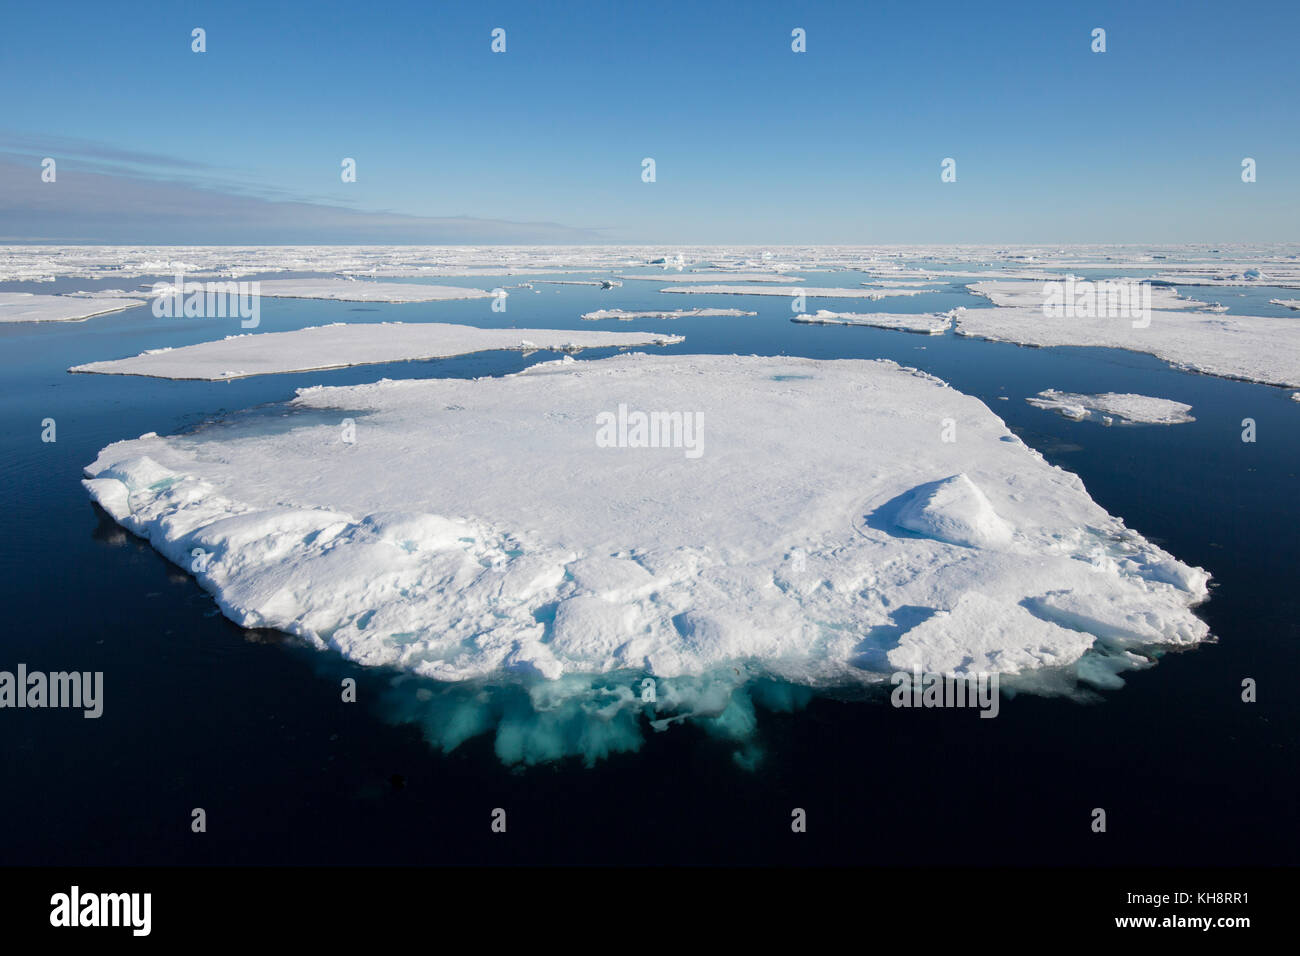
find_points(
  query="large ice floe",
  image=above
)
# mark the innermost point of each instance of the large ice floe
(32, 307)
(340, 345)
(358, 290)
(1252, 348)
(790, 291)
(1110, 408)
(725, 528)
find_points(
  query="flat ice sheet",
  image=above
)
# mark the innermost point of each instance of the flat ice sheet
(340, 345)
(623, 315)
(1251, 348)
(359, 290)
(790, 292)
(1114, 408)
(32, 307)
(822, 533)
(925, 323)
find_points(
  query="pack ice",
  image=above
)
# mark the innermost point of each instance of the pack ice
(471, 531)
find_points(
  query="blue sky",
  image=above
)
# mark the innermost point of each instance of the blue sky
(753, 143)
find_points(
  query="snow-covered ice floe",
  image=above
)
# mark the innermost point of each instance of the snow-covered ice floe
(1251, 348)
(717, 276)
(527, 534)
(340, 345)
(1292, 304)
(1112, 408)
(357, 290)
(32, 307)
(925, 323)
(624, 316)
(791, 291)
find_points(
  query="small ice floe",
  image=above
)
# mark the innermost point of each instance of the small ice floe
(1114, 408)
(624, 316)
(924, 323)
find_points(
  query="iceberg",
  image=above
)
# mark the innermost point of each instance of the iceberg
(461, 534)
(341, 344)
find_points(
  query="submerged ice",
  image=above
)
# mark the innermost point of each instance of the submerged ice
(468, 533)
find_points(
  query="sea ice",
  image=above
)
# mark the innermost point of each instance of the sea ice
(1251, 348)
(477, 530)
(623, 315)
(340, 345)
(356, 290)
(790, 292)
(1114, 408)
(925, 323)
(32, 307)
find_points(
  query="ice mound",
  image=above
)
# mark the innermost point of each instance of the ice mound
(954, 510)
(476, 534)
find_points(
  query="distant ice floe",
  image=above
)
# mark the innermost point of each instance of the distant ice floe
(475, 534)
(790, 292)
(31, 307)
(356, 290)
(1277, 265)
(716, 275)
(624, 316)
(1250, 348)
(341, 345)
(1114, 408)
(925, 323)
(1292, 304)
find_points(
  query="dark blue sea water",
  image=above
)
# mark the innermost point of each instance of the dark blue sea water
(247, 725)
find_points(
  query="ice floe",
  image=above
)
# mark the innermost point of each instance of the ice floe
(925, 323)
(1114, 408)
(464, 531)
(1251, 348)
(33, 307)
(357, 290)
(340, 345)
(624, 316)
(790, 292)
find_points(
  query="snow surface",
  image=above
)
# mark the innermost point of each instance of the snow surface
(357, 290)
(716, 275)
(1114, 408)
(474, 530)
(791, 291)
(1251, 348)
(340, 345)
(32, 307)
(926, 323)
(623, 315)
